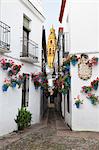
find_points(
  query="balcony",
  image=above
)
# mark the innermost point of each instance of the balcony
(4, 38)
(29, 51)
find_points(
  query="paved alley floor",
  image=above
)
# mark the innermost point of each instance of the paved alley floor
(50, 134)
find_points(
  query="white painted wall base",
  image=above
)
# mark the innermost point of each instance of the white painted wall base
(11, 13)
(11, 100)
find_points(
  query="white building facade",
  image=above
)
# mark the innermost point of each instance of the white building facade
(23, 46)
(80, 20)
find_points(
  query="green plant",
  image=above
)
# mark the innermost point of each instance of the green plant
(95, 83)
(74, 60)
(93, 98)
(86, 89)
(78, 101)
(23, 119)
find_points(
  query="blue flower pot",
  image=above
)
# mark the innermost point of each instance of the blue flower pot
(13, 84)
(95, 87)
(74, 62)
(93, 102)
(77, 105)
(4, 88)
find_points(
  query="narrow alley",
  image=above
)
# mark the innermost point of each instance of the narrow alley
(50, 134)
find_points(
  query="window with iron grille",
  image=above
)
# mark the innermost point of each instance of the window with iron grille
(4, 36)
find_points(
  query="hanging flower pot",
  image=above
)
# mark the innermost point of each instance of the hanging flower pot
(67, 68)
(93, 102)
(5, 64)
(74, 60)
(86, 89)
(78, 101)
(16, 69)
(10, 73)
(4, 88)
(95, 87)
(36, 84)
(77, 105)
(93, 99)
(94, 61)
(95, 83)
(13, 84)
(6, 85)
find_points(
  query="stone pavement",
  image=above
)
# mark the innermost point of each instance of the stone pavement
(50, 134)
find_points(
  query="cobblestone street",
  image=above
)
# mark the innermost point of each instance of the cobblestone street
(50, 134)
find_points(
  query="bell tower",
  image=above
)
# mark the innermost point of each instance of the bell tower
(51, 47)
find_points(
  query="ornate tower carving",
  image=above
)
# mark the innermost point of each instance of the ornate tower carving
(51, 47)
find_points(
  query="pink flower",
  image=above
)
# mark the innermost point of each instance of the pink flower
(78, 97)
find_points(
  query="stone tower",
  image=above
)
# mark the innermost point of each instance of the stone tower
(51, 47)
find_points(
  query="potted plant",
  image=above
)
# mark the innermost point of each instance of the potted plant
(14, 70)
(13, 83)
(36, 78)
(5, 85)
(74, 60)
(95, 83)
(5, 64)
(94, 61)
(36, 84)
(67, 79)
(86, 89)
(94, 99)
(23, 119)
(78, 101)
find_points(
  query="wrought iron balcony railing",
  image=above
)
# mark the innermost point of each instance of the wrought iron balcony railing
(29, 51)
(4, 37)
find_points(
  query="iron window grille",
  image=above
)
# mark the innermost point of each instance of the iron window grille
(29, 49)
(4, 36)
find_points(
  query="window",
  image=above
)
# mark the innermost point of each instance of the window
(26, 30)
(50, 41)
(26, 22)
(50, 51)
(25, 42)
(25, 91)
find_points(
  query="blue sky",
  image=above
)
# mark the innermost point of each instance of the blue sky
(51, 11)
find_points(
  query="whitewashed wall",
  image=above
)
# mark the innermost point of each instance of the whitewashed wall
(12, 14)
(11, 100)
(85, 118)
(83, 28)
(68, 115)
